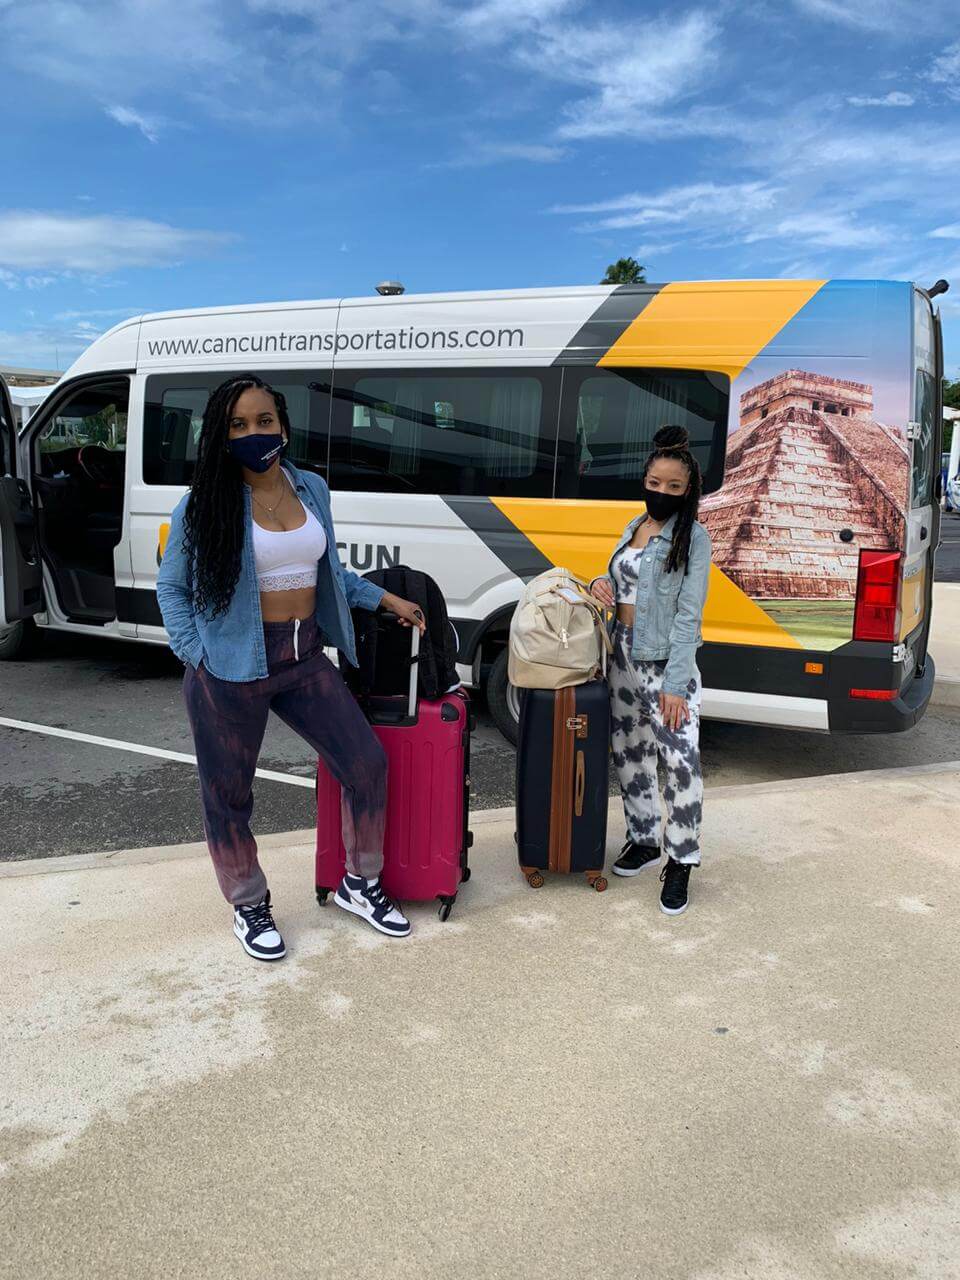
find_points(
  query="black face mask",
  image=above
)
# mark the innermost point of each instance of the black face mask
(661, 506)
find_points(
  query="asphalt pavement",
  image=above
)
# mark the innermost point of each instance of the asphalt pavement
(948, 555)
(59, 796)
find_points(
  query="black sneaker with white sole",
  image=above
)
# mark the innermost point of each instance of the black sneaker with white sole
(634, 857)
(258, 935)
(366, 898)
(673, 896)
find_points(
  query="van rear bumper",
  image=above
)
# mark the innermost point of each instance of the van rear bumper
(860, 715)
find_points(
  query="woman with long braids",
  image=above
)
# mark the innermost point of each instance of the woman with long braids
(251, 589)
(657, 579)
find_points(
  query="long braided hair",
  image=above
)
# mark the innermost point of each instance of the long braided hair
(213, 523)
(673, 442)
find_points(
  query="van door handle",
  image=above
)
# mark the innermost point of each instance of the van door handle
(924, 533)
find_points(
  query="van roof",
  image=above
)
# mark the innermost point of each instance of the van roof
(117, 348)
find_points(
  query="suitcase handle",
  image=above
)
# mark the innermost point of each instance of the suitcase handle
(581, 785)
(414, 659)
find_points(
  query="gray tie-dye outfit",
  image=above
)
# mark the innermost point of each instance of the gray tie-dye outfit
(641, 739)
(658, 653)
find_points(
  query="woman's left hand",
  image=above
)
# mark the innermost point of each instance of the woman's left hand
(410, 614)
(674, 710)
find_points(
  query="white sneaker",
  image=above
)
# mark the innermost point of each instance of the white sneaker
(258, 935)
(365, 898)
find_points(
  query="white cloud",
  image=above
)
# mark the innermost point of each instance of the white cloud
(946, 69)
(951, 232)
(636, 71)
(694, 204)
(824, 229)
(99, 313)
(149, 126)
(894, 99)
(890, 17)
(36, 241)
(644, 252)
(495, 18)
(480, 154)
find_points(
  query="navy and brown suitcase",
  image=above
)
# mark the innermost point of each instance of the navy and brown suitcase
(563, 765)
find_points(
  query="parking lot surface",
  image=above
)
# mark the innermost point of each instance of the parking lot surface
(59, 796)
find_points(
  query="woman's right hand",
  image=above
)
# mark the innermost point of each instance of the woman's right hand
(603, 591)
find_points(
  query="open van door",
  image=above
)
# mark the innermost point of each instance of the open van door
(21, 594)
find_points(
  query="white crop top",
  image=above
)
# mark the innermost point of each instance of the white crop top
(625, 571)
(288, 560)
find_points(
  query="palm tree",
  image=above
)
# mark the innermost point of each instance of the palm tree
(625, 271)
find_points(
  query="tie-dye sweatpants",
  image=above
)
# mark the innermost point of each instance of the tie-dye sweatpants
(641, 739)
(228, 720)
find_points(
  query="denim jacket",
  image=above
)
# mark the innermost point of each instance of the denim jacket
(669, 609)
(231, 646)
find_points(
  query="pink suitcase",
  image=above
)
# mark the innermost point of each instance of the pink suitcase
(428, 798)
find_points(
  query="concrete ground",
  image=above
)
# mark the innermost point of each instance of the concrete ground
(556, 1083)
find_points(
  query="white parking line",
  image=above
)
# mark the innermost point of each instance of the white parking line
(138, 749)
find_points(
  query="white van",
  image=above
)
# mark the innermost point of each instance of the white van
(485, 437)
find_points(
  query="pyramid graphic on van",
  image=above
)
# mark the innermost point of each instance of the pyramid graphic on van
(807, 462)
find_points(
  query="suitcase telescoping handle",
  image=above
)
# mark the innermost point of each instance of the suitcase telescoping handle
(414, 665)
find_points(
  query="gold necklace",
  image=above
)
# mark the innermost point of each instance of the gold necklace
(270, 510)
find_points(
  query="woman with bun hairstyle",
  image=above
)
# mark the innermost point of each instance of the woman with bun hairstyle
(657, 581)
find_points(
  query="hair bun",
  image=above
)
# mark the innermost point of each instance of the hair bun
(671, 437)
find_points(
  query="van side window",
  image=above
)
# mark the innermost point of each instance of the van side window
(610, 416)
(445, 431)
(173, 417)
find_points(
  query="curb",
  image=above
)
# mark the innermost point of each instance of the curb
(946, 692)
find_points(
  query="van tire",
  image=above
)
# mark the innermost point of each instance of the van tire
(502, 699)
(19, 640)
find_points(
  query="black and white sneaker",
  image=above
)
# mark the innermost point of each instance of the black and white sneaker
(366, 898)
(634, 857)
(673, 896)
(258, 935)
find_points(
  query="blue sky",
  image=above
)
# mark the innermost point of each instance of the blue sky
(197, 152)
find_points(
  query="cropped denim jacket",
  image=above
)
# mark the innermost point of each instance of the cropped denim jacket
(231, 646)
(669, 609)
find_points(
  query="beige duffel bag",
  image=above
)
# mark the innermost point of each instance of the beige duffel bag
(558, 636)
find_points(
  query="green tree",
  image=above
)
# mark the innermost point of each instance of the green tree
(625, 271)
(951, 393)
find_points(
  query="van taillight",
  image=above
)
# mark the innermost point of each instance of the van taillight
(877, 613)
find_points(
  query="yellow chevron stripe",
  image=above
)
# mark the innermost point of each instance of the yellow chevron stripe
(581, 535)
(719, 325)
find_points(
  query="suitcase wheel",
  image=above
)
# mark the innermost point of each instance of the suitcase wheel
(465, 875)
(322, 895)
(535, 880)
(446, 906)
(600, 884)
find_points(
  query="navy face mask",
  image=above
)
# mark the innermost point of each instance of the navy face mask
(257, 452)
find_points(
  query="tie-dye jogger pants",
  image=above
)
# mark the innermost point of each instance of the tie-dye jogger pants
(640, 739)
(228, 720)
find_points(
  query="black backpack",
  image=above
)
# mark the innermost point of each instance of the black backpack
(383, 646)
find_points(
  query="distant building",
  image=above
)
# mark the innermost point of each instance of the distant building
(15, 377)
(26, 380)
